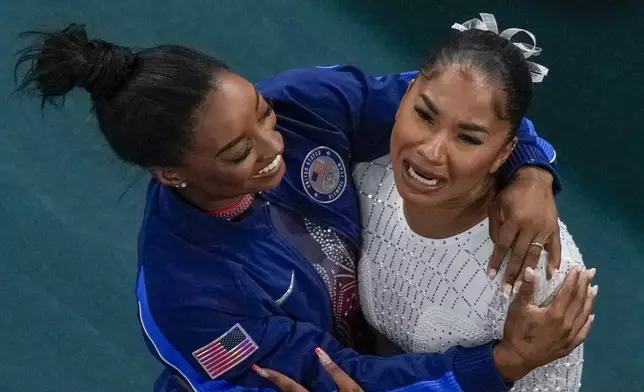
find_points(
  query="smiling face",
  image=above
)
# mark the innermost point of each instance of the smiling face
(235, 148)
(449, 138)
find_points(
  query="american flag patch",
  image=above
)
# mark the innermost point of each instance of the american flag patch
(225, 352)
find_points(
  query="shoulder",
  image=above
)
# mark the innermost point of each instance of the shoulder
(180, 267)
(316, 78)
(373, 177)
(569, 249)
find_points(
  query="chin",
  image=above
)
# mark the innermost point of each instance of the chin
(272, 182)
(419, 199)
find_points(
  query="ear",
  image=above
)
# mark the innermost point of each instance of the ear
(504, 154)
(169, 177)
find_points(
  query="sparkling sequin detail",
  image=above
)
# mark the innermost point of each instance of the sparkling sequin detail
(427, 295)
(237, 209)
(338, 271)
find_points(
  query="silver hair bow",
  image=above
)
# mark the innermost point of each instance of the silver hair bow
(488, 22)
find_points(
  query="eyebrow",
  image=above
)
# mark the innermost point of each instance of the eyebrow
(472, 127)
(230, 145)
(430, 104)
(463, 125)
(256, 99)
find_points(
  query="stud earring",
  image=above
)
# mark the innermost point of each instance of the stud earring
(182, 184)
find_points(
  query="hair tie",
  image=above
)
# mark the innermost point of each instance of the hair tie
(108, 66)
(488, 23)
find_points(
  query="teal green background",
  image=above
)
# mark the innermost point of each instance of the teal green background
(69, 211)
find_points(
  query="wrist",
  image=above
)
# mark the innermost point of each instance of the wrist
(535, 174)
(509, 364)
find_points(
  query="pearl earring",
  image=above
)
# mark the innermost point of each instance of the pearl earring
(182, 184)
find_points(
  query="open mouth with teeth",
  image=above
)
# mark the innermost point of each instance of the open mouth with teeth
(270, 168)
(424, 181)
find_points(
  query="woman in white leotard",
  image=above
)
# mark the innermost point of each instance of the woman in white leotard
(423, 275)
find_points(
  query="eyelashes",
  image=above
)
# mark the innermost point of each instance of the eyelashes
(424, 115)
(249, 148)
(269, 108)
(249, 142)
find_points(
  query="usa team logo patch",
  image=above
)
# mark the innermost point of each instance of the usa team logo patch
(324, 175)
(225, 352)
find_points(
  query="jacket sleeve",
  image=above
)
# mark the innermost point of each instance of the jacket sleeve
(348, 103)
(288, 345)
(531, 150)
(351, 108)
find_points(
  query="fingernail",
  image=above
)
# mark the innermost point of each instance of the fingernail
(592, 318)
(595, 290)
(528, 275)
(592, 273)
(491, 273)
(324, 358)
(517, 287)
(260, 371)
(507, 289)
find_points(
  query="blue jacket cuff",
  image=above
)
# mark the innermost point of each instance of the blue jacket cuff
(475, 370)
(528, 155)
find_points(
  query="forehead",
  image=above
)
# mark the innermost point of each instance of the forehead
(463, 94)
(229, 111)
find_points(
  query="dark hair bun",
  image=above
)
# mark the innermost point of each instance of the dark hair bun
(62, 60)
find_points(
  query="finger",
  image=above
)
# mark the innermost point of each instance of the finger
(283, 382)
(566, 294)
(518, 258)
(525, 295)
(342, 380)
(553, 247)
(589, 303)
(507, 234)
(495, 221)
(583, 334)
(577, 304)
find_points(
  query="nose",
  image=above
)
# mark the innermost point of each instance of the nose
(434, 149)
(269, 141)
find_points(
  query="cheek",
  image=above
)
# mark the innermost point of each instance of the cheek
(215, 176)
(470, 168)
(405, 133)
(237, 174)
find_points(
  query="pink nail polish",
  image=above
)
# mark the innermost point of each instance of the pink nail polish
(324, 358)
(492, 273)
(260, 371)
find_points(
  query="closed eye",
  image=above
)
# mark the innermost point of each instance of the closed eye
(249, 149)
(269, 109)
(470, 139)
(424, 115)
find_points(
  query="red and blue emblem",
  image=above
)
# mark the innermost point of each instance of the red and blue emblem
(324, 175)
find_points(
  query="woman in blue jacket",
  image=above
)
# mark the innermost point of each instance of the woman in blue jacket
(248, 246)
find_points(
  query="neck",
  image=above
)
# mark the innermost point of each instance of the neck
(206, 202)
(449, 220)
